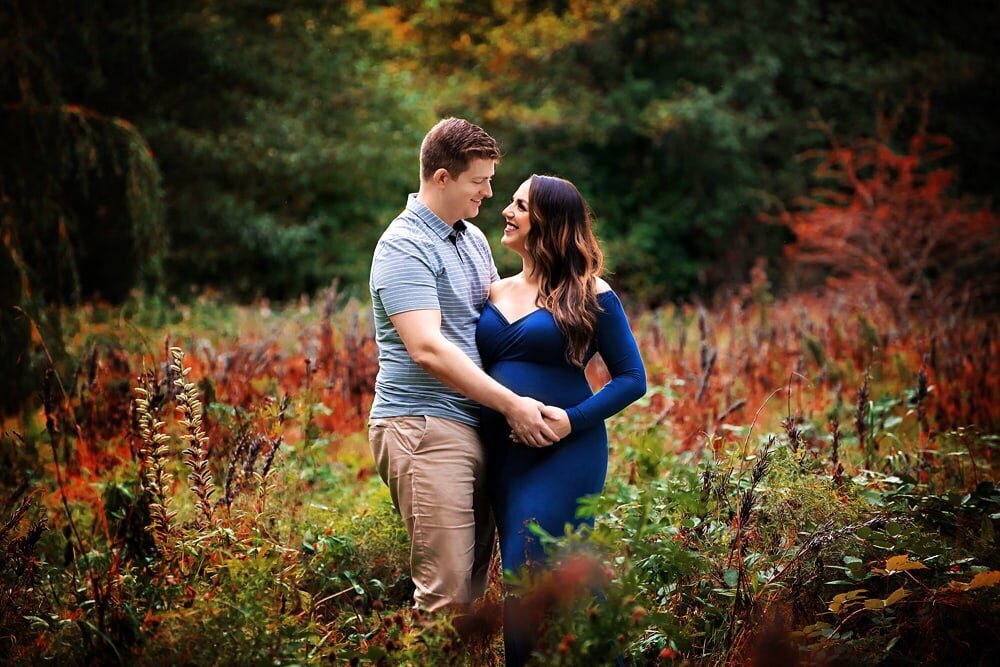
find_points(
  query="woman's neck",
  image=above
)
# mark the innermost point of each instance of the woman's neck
(528, 271)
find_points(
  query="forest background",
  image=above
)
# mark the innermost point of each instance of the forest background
(258, 148)
(796, 194)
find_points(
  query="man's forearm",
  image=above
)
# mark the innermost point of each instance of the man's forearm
(450, 365)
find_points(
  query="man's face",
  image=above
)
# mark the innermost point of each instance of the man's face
(465, 193)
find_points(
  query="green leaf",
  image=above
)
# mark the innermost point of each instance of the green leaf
(893, 421)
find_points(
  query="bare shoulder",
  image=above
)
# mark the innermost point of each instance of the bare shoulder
(602, 286)
(500, 287)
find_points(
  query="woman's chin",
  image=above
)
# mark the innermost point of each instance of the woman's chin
(512, 245)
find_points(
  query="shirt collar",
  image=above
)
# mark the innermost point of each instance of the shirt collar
(441, 228)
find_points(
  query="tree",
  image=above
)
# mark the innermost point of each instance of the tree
(679, 119)
(888, 222)
(81, 211)
(286, 141)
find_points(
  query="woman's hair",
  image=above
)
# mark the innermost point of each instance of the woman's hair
(451, 144)
(566, 259)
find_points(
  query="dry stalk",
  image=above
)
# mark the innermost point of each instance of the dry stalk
(234, 474)
(196, 454)
(154, 477)
(838, 469)
(921, 400)
(861, 423)
(743, 602)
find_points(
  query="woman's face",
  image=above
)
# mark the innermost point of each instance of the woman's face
(515, 233)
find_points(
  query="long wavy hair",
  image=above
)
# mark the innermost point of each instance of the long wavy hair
(566, 258)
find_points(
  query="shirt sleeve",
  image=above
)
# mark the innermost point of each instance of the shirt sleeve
(403, 277)
(618, 348)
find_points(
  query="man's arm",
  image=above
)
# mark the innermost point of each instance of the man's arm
(420, 331)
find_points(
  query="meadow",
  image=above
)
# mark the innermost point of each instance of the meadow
(810, 480)
(806, 482)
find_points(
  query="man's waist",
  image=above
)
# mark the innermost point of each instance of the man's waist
(449, 406)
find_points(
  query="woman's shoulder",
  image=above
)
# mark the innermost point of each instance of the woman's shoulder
(499, 287)
(602, 285)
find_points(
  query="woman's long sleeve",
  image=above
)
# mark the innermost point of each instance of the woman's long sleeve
(618, 349)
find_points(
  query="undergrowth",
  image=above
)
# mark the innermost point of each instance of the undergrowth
(802, 485)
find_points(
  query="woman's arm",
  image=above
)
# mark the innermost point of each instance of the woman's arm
(620, 353)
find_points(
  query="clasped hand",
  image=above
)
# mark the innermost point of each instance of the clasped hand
(540, 426)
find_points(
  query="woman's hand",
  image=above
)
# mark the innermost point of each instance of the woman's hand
(558, 420)
(528, 424)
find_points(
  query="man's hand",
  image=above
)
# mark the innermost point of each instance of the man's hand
(558, 420)
(528, 423)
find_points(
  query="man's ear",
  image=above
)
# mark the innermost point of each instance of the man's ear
(441, 177)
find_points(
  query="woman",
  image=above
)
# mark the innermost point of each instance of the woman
(536, 334)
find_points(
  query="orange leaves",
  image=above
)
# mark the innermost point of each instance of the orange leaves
(981, 580)
(900, 564)
(937, 182)
(844, 601)
(888, 224)
(858, 599)
(984, 580)
(877, 604)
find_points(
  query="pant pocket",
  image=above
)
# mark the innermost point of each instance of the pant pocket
(408, 432)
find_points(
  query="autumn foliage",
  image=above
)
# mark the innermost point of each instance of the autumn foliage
(224, 481)
(887, 222)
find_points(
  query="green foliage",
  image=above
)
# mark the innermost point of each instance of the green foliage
(295, 145)
(362, 554)
(284, 140)
(287, 135)
(683, 587)
(680, 121)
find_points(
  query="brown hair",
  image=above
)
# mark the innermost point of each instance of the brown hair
(452, 144)
(566, 258)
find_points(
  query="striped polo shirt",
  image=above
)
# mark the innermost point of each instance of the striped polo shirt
(421, 262)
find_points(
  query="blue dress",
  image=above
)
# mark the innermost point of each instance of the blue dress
(544, 485)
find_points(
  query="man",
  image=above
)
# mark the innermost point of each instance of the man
(430, 278)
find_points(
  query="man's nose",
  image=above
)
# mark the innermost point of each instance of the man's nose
(489, 189)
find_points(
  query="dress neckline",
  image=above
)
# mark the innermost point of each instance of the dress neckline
(507, 321)
(511, 323)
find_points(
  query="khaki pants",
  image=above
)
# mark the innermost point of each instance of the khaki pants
(435, 470)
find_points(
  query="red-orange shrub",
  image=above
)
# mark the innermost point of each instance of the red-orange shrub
(888, 223)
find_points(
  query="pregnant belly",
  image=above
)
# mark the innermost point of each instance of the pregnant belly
(561, 386)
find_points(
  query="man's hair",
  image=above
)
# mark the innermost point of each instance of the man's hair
(452, 144)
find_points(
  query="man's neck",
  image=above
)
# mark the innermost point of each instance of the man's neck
(431, 202)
